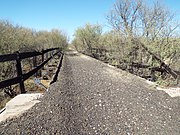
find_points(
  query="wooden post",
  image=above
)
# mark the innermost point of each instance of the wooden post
(47, 55)
(19, 73)
(50, 54)
(178, 80)
(42, 57)
(59, 54)
(34, 61)
(35, 64)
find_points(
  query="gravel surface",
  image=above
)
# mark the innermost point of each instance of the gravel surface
(92, 98)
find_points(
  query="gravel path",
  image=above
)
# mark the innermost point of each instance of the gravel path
(92, 98)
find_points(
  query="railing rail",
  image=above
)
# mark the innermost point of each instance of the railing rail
(163, 67)
(20, 56)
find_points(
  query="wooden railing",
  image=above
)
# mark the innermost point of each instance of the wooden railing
(162, 68)
(18, 57)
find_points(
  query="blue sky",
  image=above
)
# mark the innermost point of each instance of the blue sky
(66, 15)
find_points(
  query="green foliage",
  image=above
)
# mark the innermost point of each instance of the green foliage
(140, 38)
(87, 37)
(17, 38)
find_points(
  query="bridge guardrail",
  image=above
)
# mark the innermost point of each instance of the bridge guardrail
(24, 55)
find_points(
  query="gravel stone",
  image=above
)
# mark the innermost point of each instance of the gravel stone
(92, 98)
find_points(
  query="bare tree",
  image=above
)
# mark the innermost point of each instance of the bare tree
(124, 16)
(145, 28)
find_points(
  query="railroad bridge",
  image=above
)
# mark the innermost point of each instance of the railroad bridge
(90, 97)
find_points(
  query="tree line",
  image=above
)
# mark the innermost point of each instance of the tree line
(15, 38)
(144, 38)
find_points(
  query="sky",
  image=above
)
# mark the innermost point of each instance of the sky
(66, 15)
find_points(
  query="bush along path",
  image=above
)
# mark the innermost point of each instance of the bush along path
(91, 98)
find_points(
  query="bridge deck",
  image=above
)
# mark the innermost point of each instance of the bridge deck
(92, 98)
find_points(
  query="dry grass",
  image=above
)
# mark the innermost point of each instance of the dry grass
(3, 102)
(31, 87)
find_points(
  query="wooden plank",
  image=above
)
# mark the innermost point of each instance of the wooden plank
(24, 55)
(18, 79)
(9, 82)
(139, 65)
(32, 72)
(57, 71)
(162, 64)
(8, 57)
(48, 50)
(19, 73)
(177, 72)
(29, 54)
